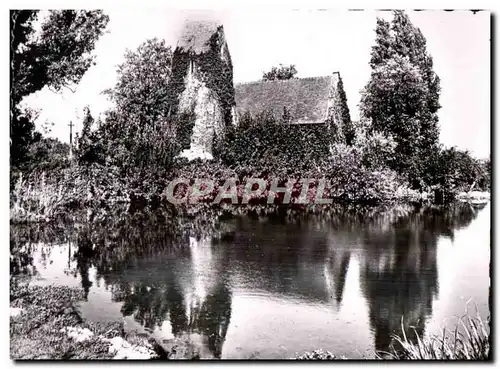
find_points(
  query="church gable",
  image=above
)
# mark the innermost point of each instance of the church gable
(196, 36)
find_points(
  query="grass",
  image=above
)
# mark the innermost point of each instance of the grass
(469, 340)
(39, 197)
(45, 316)
(36, 333)
(46, 324)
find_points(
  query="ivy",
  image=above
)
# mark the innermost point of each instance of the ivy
(211, 69)
(263, 142)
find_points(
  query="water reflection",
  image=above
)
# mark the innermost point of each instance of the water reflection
(160, 273)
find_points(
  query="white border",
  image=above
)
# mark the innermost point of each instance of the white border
(186, 4)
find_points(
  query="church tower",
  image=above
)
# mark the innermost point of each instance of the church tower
(202, 86)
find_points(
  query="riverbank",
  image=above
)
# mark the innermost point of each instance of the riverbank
(470, 340)
(49, 196)
(45, 324)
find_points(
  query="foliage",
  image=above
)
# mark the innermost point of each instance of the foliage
(47, 154)
(88, 149)
(352, 177)
(44, 154)
(138, 134)
(262, 142)
(346, 124)
(470, 340)
(280, 73)
(58, 56)
(402, 96)
(382, 50)
(141, 92)
(376, 149)
(454, 171)
(38, 197)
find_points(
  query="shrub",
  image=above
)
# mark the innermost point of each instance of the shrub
(352, 179)
(264, 142)
(39, 196)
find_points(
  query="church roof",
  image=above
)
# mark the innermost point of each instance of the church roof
(306, 99)
(196, 35)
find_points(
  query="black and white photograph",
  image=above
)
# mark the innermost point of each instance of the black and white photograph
(263, 183)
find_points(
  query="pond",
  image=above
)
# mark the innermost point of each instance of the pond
(266, 288)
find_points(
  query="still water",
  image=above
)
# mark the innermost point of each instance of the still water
(262, 288)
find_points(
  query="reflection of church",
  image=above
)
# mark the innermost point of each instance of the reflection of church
(207, 299)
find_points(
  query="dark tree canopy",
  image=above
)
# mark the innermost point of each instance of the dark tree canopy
(402, 95)
(281, 73)
(140, 93)
(138, 131)
(347, 125)
(57, 56)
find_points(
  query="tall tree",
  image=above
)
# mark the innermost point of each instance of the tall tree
(56, 57)
(141, 90)
(402, 95)
(346, 124)
(383, 48)
(138, 127)
(89, 146)
(409, 41)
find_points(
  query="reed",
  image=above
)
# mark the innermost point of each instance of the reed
(469, 340)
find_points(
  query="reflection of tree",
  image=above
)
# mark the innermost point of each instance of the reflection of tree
(25, 238)
(399, 273)
(283, 258)
(83, 255)
(339, 274)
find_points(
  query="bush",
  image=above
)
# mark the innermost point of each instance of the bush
(38, 196)
(354, 177)
(263, 142)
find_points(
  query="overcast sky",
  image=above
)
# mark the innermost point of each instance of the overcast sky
(318, 43)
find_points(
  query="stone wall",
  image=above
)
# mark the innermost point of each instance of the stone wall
(209, 123)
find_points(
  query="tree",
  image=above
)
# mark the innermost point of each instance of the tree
(90, 147)
(393, 98)
(346, 124)
(383, 48)
(245, 120)
(138, 130)
(286, 117)
(47, 154)
(281, 73)
(402, 95)
(143, 79)
(56, 57)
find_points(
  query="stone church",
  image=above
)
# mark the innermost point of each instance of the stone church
(202, 79)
